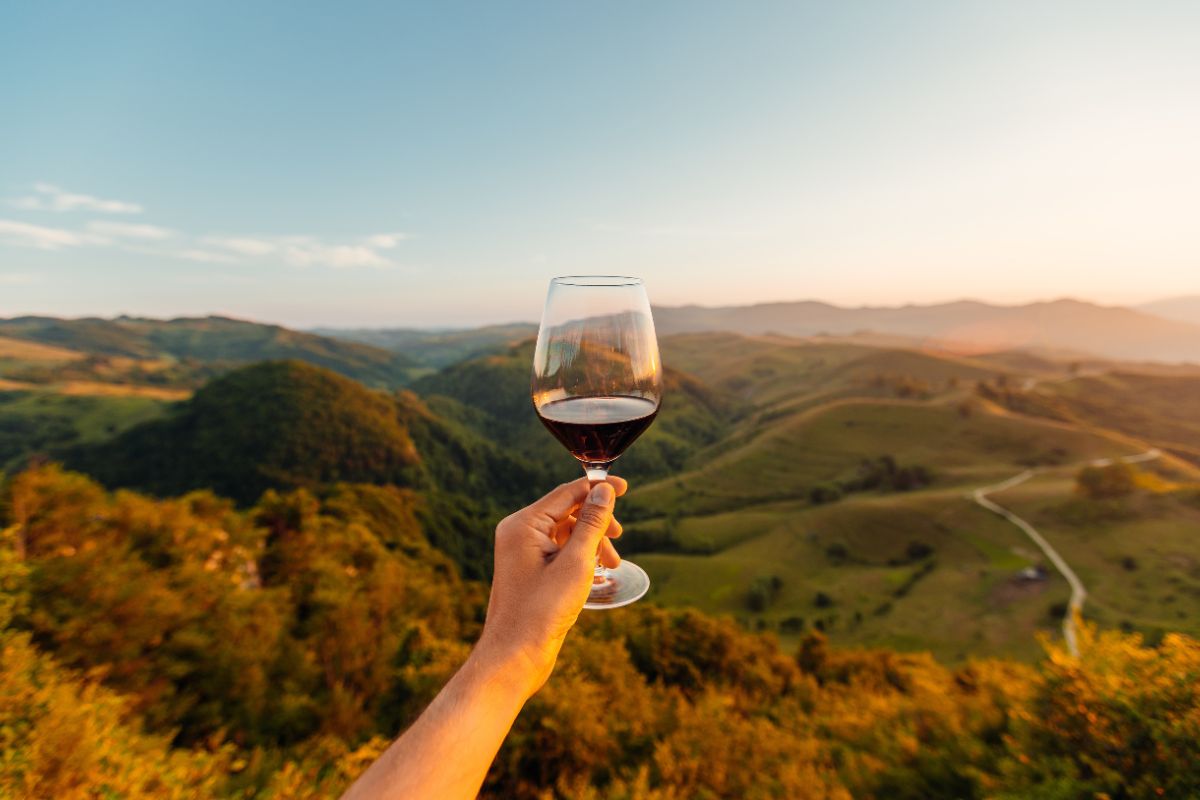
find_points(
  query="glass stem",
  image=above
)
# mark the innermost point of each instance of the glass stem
(595, 474)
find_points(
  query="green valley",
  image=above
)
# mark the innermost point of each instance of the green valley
(303, 559)
(792, 484)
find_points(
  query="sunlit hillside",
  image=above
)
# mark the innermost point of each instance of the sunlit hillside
(797, 499)
(184, 649)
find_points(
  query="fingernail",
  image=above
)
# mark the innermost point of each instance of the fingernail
(602, 494)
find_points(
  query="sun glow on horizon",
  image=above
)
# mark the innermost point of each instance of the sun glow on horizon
(862, 155)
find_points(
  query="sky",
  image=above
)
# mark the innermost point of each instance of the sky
(434, 164)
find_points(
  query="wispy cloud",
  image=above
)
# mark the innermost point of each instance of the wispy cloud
(154, 240)
(243, 245)
(128, 230)
(386, 241)
(48, 197)
(41, 237)
(306, 251)
(342, 256)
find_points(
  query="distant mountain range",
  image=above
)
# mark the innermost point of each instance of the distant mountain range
(1181, 309)
(1165, 331)
(964, 326)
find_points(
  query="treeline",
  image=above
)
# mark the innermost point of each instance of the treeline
(183, 647)
(874, 474)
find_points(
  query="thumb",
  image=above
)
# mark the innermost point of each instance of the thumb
(592, 521)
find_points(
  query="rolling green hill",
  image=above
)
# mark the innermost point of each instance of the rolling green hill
(208, 345)
(1160, 408)
(775, 524)
(784, 457)
(793, 484)
(273, 425)
(286, 425)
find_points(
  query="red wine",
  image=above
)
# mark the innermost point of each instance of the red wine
(598, 429)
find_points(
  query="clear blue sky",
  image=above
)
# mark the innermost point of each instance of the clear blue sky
(435, 163)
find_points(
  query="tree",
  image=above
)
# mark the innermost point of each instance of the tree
(1107, 482)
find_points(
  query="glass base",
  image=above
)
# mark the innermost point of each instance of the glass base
(620, 587)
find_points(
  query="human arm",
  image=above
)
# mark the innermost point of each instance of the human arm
(545, 555)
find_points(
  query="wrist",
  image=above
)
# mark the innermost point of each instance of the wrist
(507, 667)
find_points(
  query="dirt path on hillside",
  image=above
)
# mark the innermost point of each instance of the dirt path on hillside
(1078, 591)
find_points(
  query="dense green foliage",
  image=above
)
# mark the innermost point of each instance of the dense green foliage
(180, 648)
(273, 425)
(286, 425)
(204, 346)
(43, 422)
(268, 645)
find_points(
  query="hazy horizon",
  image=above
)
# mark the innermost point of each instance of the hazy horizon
(533, 319)
(174, 160)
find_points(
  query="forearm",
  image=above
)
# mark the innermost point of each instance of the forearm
(447, 751)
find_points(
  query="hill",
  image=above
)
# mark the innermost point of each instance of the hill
(273, 425)
(837, 496)
(965, 326)
(1160, 408)
(187, 350)
(285, 425)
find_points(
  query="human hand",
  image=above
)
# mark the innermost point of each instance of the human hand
(545, 557)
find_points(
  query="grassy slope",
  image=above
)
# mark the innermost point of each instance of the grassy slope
(966, 604)
(1160, 589)
(784, 458)
(32, 422)
(1162, 409)
(739, 512)
(739, 540)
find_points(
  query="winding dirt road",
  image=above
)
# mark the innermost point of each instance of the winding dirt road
(1078, 592)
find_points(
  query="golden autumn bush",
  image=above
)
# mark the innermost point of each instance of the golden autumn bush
(184, 648)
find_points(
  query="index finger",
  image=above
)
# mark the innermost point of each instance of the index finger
(569, 496)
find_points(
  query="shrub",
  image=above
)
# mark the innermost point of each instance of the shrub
(1107, 482)
(763, 592)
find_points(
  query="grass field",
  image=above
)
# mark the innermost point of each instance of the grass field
(100, 389)
(780, 457)
(41, 421)
(1138, 556)
(736, 532)
(757, 423)
(923, 570)
(22, 350)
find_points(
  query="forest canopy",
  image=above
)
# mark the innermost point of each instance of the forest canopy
(182, 647)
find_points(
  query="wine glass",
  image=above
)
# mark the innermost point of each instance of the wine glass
(597, 385)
